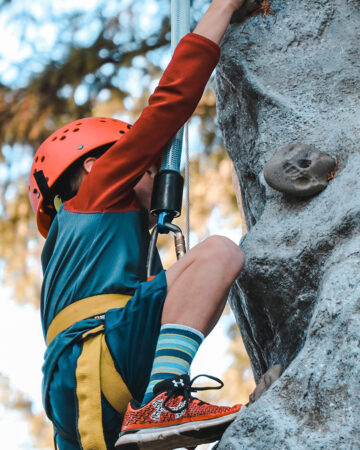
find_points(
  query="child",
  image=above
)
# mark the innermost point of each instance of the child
(113, 336)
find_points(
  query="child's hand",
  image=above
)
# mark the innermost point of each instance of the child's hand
(216, 19)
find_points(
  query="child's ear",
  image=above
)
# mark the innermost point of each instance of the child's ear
(88, 163)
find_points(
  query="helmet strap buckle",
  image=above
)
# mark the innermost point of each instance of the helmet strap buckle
(57, 202)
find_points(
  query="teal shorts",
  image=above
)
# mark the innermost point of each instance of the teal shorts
(131, 334)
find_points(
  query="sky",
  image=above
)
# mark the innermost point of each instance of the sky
(22, 345)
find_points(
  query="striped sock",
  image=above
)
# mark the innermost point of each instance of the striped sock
(176, 347)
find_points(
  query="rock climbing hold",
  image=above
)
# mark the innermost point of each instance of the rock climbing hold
(299, 170)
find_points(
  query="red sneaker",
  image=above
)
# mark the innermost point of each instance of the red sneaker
(174, 418)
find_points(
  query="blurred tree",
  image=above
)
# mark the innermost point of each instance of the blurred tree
(238, 379)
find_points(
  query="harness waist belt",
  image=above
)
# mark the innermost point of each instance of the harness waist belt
(84, 309)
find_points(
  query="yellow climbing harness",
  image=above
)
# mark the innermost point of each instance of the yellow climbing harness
(95, 371)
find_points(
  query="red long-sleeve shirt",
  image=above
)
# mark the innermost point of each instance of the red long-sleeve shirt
(109, 185)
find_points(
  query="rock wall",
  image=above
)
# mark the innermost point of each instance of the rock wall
(294, 76)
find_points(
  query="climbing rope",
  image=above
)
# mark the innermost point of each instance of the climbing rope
(180, 26)
(187, 187)
(168, 184)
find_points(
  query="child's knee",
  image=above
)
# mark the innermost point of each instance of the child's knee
(226, 253)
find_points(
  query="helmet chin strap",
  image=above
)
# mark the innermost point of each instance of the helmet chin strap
(47, 193)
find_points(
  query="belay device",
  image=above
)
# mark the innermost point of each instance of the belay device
(167, 194)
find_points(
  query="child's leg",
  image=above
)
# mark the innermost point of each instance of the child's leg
(199, 283)
(198, 286)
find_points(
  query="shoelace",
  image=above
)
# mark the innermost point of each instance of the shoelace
(186, 390)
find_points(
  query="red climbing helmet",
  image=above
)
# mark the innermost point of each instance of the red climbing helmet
(60, 150)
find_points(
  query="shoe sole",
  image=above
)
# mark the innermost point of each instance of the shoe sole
(187, 434)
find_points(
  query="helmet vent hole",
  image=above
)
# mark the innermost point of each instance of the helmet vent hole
(129, 126)
(78, 124)
(54, 138)
(75, 130)
(122, 132)
(102, 120)
(62, 138)
(34, 191)
(42, 159)
(37, 159)
(66, 130)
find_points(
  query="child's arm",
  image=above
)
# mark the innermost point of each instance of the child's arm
(216, 19)
(109, 185)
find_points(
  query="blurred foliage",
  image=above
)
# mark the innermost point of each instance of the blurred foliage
(238, 378)
(20, 247)
(29, 114)
(74, 62)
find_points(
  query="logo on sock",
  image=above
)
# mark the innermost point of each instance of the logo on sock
(158, 406)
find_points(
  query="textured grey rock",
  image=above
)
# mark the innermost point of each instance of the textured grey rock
(294, 77)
